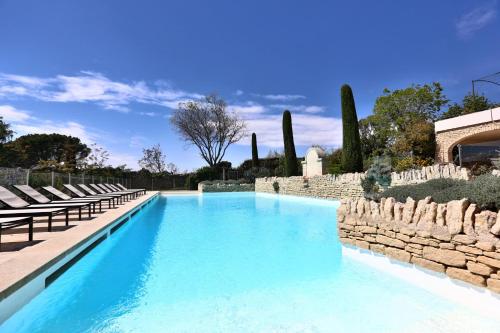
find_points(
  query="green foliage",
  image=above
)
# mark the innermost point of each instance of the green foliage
(379, 173)
(352, 160)
(402, 122)
(470, 104)
(411, 162)
(333, 162)
(255, 152)
(6, 132)
(291, 164)
(65, 152)
(484, 191)
(276, 186)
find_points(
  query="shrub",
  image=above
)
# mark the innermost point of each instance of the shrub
(483, 191)
(255, 152)
(352, 160)
(276, 186)
(411, 162)
(291, 164)
(378, 174)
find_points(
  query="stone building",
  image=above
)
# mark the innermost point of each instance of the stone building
(313, 164)
(475, 130)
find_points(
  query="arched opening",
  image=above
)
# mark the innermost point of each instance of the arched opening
(476, 149)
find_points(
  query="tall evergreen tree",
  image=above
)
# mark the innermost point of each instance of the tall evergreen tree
(291, 164)
(352, 160)
(255, 152)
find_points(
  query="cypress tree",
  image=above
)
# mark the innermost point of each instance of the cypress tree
(255, 152)
(291, 165)
(352, 160)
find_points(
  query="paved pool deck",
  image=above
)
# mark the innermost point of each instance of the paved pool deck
(22, 261)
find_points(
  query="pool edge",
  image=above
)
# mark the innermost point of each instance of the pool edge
(20, 291)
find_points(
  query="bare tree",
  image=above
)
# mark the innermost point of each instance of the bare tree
(97, 158)
(209, 126)
(153, 159)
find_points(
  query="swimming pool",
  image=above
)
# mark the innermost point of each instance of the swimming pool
(235, 263)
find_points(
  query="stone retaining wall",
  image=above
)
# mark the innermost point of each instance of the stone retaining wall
(348, 185)
(220, 187)
(453, 238)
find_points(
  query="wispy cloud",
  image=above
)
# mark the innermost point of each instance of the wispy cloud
(307, 129)
(282, 97)
(476, 19)
(92, 87)
(299, 108)
(11, 114)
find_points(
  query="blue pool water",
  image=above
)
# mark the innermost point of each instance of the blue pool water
(235, 263)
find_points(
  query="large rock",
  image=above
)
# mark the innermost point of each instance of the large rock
(389, 209)
(441, 215)
(479, 268)
(390, 241)
(420, 210)
(398, 254)
(489, 261)
(465, 275)
(447, 257)
(398, 212)
(469, 219)
(428, 264)
(408, 210)
(494, 285)
(455, 212)
(495, 229)
(484, 222)
(427, 221)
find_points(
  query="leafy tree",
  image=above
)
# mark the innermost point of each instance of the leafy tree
(291, 164)
(208, 125)
(402, 122)
(6, 132)
(255, 152)
(470, 104)
(65, 153)
(352, 160)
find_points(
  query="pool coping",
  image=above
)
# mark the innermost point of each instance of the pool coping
(26, 275)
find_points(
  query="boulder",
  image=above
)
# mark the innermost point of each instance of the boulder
(455, 212)
(479, 268)
(408, 210)
(465, 275)
(447, 257)
(428, 264)
(469, 218)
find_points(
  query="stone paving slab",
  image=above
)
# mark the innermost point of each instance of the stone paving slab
(19, 267)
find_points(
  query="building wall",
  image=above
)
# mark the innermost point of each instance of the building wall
(349, 185)
(452, 238)
(445, 141)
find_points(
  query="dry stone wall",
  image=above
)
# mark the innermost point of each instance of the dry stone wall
(221, 187)
(348, 185)
(454, 238)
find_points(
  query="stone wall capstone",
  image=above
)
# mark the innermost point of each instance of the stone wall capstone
(454, 238)
(348, 185)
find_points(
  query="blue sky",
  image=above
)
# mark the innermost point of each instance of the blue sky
(111, 71)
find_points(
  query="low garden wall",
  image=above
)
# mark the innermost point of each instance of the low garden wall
(452, 238)
(225, 187)
(348, 185)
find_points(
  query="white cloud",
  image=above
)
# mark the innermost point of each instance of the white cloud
(307, 130)
(299, 108)
(11, 114)
(149, 114)
(475, 20)
(239, 92)
(91, 87)
(283, 97)
(249, 108)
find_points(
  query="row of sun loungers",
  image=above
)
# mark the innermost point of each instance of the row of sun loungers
(18, 211)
